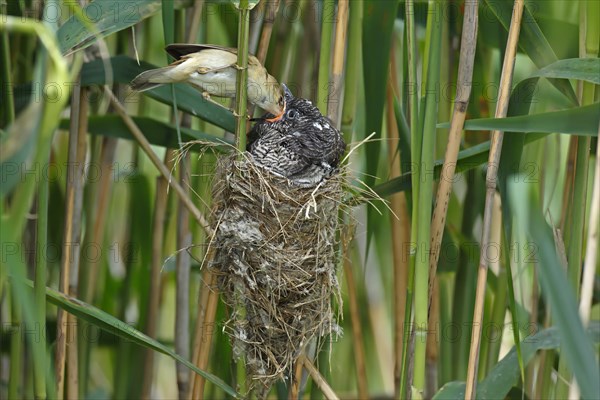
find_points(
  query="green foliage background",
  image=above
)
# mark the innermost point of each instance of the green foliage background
(51, 51)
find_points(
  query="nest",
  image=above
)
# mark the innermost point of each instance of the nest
(276, 251)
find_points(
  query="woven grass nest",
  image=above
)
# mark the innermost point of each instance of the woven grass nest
(276, 250)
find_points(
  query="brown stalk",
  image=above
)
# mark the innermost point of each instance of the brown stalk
(63, 284)
(194, 24)
(296, 379)
(491, 178)
(319, 380)
(270, 11)
(334, 102)
(67, 355)
(207, 331)
(184, 239)
(209, 280)
(400, 234)
(357, 336)
(432, 350)
(463, 92)
(158, 228)
(200, 329)
(267, 29)
(71, 365)
(109, 146)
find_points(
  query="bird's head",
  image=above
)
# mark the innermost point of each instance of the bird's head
(297, 113)
(302, 119)
(280, 102)
(270, 97)
(303, 129)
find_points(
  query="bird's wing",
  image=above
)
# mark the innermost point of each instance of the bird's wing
(178, 50)
(317, 149)
(209, 58)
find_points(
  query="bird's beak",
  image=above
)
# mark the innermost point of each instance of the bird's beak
(286, 91)
(278, 116)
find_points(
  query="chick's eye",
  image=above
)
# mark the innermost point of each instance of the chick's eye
(293, 114)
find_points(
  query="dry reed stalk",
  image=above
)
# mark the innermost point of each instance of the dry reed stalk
(357, 336)
(71, 365)
(463, 93)
(267, 29)
(335, 102)
(400, 233)
(63, 285)
(319, 380)
(158, 227)
(432, 351)
(296, 380)
(270, 11)
(200, 328)
(194, 22)
(208, 327)
(70, 261)
(109, 146)
(491, 180)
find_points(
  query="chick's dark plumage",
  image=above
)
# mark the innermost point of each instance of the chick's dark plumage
(302, 146)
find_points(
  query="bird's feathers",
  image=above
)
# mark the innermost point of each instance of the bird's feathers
(209, 60)
(209, 71)
(151, 79)
(303, 146)
(213, 69)
(178, 50)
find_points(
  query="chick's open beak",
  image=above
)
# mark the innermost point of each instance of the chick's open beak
(278, 116)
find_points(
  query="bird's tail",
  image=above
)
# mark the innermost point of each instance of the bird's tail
(152, 78)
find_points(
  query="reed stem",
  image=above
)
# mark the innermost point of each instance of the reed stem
(334, 99)
(324, 84)
(491, 181)
(242, 74)
(415, 150)
(425, 199)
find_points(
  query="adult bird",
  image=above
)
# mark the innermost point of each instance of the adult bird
(214, 70)
(302, 146)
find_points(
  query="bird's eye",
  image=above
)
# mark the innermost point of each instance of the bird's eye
(293, 114)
